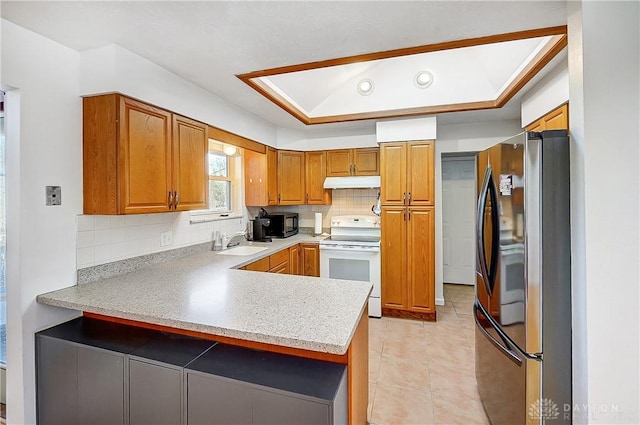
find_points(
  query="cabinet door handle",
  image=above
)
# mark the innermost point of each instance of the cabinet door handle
(307, 200)
(278, 198)
(354, 169)
(409, 214)
(409, 198)
(404, 198)
(170, 200)
(175, 200)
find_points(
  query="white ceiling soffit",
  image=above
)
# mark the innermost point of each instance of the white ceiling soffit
(470, 74)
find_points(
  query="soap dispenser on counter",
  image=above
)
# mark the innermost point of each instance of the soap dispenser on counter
(217, 241)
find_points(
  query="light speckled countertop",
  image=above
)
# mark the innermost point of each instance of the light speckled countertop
(204, 293)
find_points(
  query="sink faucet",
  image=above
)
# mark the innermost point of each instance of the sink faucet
(228, 242)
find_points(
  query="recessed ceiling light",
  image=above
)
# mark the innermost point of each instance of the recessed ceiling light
(423, 79)
(365, 87)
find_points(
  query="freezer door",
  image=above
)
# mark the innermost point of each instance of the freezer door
(500, 372)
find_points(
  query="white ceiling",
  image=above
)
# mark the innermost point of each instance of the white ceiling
(210, 42)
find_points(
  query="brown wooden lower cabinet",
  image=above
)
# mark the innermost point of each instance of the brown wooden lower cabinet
(408, 262)
(294, 260)
(281, 268)
(279, 260)
(310, 253)
(258, 266)
(302, 259)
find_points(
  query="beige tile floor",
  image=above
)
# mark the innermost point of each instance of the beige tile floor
(423, 372)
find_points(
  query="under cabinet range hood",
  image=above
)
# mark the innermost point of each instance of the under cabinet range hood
(352, 182)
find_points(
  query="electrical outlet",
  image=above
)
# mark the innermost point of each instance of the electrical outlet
(53, 195)
(166, 238)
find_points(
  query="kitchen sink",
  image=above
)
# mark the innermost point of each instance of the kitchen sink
(242, 250)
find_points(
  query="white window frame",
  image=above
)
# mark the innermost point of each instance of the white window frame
(235, 177)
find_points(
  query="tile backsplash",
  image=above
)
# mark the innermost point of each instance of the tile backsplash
(344, 202)
(102, 239)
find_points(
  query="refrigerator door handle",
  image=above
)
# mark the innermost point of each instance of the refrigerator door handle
(481, 252)
(477, 307)
(504, 348)
(495, 232)
(488, 272)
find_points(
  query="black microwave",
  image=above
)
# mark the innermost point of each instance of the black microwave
(282, 225)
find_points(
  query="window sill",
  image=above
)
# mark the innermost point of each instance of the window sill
(206, 216)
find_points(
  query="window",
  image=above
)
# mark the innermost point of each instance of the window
(220, 179)
(225, 183)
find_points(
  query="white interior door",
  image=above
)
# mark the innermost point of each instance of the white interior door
(458, 215)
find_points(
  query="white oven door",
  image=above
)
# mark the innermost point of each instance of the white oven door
(358, 263)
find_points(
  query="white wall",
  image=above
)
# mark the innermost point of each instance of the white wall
(43, 148)
(406, 129)
(115, 69)
(472, 137)
(551, 92)
(604, 65)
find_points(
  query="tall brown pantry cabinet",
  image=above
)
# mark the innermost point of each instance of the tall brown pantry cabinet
(408, 229)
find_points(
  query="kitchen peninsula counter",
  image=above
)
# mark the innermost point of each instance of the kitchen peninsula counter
(206, 296)
(204, 293)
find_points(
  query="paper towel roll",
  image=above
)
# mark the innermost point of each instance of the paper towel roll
(317, 228)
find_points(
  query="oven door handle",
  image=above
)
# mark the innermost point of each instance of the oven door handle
(350, 248)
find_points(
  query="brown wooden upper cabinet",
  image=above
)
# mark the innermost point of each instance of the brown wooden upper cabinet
(353, 162)
(291, 187)
(285, 178)
(141, 159)
(272, 176)
(261, 178)
(190, 164)
(558, 119)
(315, 173)
(407, 173)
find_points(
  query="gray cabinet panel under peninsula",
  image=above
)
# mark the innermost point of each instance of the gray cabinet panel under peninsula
(94, 371)
(267, 388)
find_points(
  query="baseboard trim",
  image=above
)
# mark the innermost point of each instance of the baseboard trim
(404, 314)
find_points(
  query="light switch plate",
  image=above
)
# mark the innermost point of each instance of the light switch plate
(53, 195)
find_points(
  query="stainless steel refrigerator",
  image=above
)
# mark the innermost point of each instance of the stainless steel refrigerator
(522, 307)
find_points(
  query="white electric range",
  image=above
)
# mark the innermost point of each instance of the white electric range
(353, 253)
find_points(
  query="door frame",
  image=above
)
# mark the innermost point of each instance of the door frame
(457, 156)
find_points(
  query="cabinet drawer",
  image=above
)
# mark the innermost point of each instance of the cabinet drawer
(259, 266)
(278, 258)
(281, 268)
